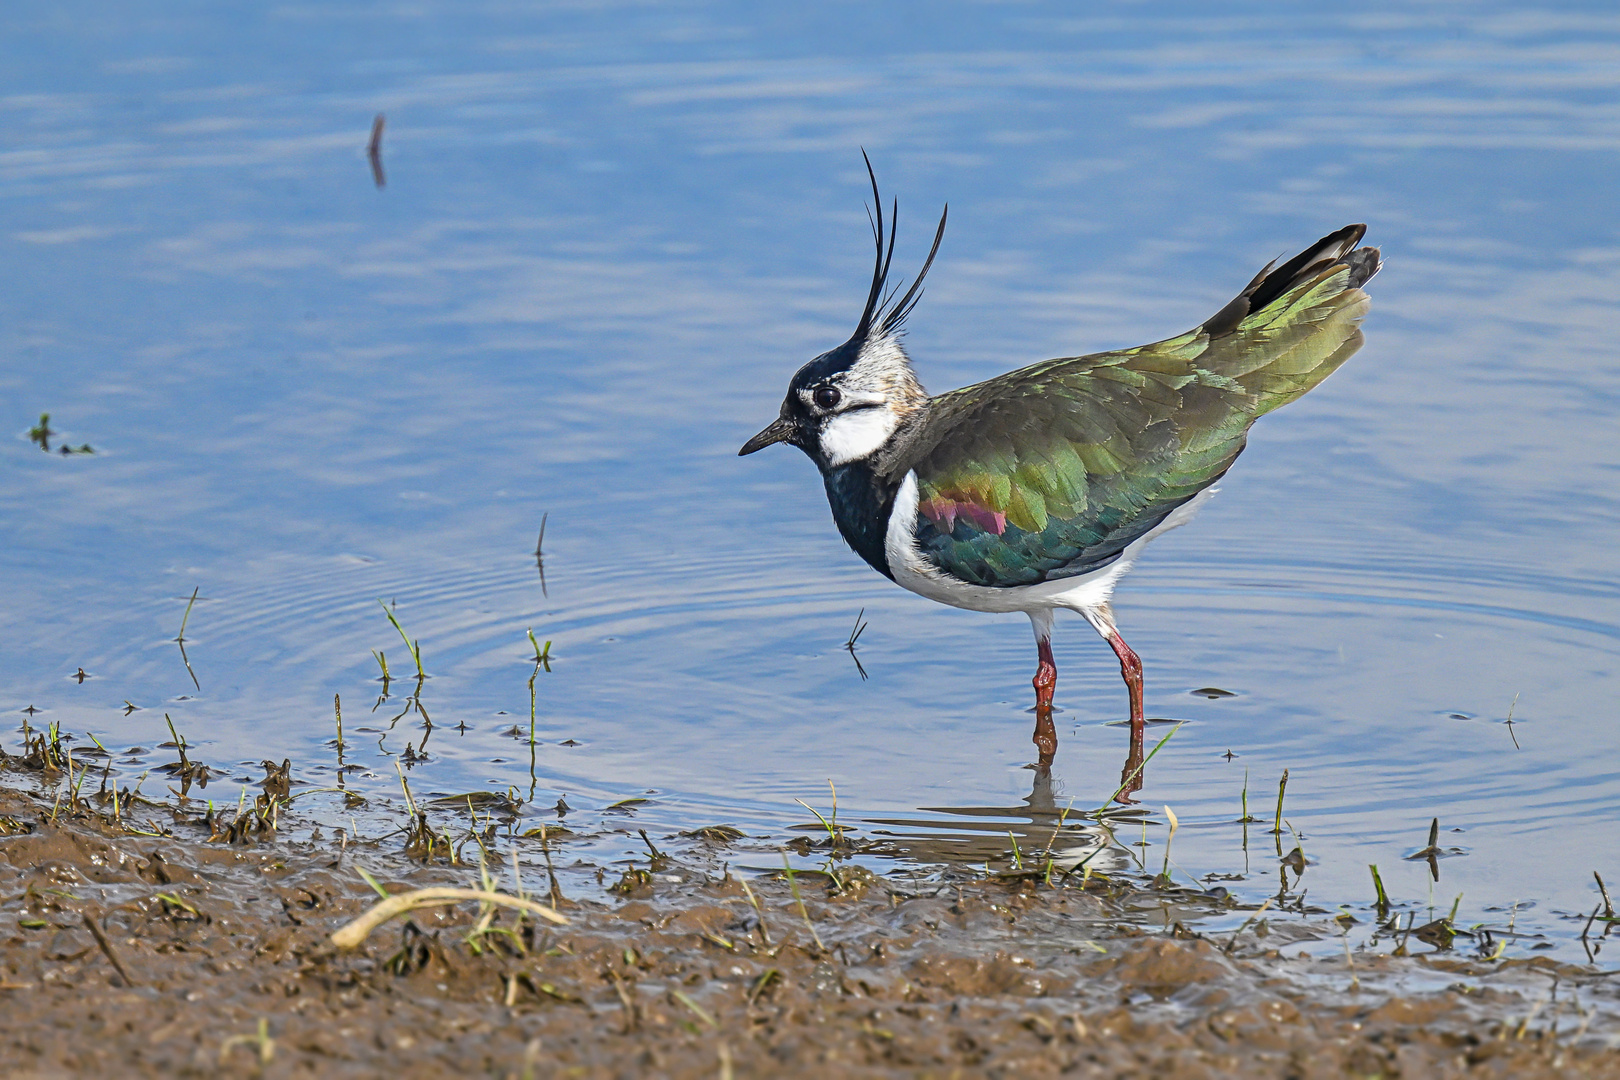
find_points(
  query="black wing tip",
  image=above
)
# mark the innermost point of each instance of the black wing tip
(1336, 248)
(1363, 263)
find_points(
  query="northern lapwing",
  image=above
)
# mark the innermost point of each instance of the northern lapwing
(1037, 490)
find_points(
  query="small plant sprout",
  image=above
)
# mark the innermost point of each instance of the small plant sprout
(1383, 897)
(1282, 788)
(1017, 856)
(1246, 818)
(179, 743)
(696, 1009)
(382, 662)
(532, 720)
(764, 934)
(404, 786)
(831, 826)
(542, 656)
(40, 434)
(793, 886)
(413, 647)
(1164, 871)
(260, 1040)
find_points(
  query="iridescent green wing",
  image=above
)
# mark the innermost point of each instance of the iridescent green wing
(1050, 471)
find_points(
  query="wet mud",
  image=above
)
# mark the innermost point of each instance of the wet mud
(208, 951)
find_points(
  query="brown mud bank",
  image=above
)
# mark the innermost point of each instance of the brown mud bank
(173, 955)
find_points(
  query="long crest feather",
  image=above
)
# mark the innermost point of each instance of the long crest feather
(878, 311)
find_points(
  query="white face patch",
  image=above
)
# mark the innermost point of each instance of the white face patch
(856, 434)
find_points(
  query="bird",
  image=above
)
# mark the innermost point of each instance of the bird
(1036, 490)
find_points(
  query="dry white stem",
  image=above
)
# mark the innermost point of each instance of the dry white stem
(351, 936)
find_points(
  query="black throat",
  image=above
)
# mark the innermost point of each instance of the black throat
(861, 503)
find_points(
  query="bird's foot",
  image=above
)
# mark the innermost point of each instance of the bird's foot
(1130, 782)
(1131, 777)
(1045, 737)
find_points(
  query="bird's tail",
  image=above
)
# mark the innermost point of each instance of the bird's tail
(1292, 326)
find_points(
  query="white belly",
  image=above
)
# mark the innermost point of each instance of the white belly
(1085, 593)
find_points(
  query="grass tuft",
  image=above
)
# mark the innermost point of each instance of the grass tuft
(414, 647)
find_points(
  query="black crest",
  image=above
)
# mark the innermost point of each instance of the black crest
(881, 312)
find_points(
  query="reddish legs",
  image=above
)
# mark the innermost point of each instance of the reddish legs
(1130, 669)
(1045, 681)
(1045, 675)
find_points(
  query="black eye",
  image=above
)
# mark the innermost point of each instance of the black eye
(826, 397)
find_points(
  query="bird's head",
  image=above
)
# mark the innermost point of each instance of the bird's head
(845, 404)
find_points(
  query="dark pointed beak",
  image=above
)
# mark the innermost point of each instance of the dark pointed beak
(782, 430)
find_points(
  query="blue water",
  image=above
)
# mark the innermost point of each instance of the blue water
(608, 236)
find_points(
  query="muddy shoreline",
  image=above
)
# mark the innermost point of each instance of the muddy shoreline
(214, 956)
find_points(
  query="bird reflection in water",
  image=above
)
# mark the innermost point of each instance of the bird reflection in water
(1037, 837)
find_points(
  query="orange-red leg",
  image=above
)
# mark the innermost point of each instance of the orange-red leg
(1130, 669)
(1045, 682)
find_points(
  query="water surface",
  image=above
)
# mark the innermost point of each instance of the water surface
(608, 236)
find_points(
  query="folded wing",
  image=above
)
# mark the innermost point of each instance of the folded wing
(1051, 471)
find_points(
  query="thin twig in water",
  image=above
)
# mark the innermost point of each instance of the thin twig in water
(860, 627)
(1257, 913)
(181, 639)
(1509, 722)
(854, 639)
(337, 708)
(374, 152)
(540, 555)
(106, 947)
(551, 870)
